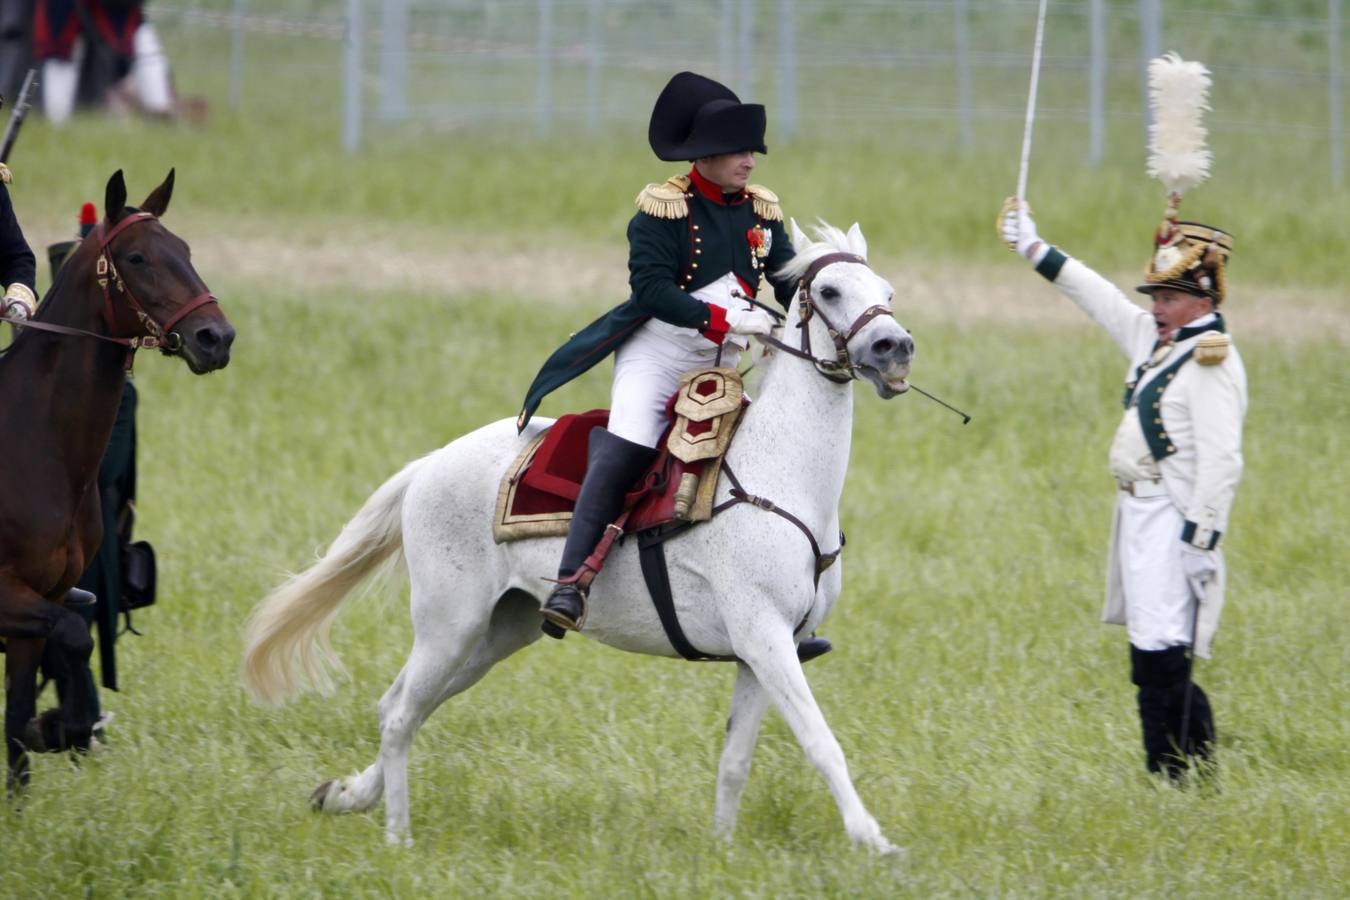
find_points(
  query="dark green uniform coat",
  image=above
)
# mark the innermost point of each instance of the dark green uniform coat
(668, 258)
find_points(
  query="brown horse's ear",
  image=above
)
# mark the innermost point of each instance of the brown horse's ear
(158, 201)
(115, 198)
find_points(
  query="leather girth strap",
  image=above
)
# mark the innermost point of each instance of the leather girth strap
(652, 556)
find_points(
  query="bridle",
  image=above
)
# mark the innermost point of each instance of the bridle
(841, 369)
(157, 335)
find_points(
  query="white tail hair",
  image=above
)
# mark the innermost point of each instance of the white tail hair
(287, 645)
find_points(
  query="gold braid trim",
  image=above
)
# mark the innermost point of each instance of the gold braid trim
(666, 200)
(5, 175)
(766, 203)
(1188, 261)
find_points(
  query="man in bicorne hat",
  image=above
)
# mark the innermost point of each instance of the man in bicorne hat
(1176, 458)
(698, 247)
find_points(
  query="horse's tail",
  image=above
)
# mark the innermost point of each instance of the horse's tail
(288, 634)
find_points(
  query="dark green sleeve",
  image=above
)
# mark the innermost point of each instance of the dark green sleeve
(655, 264)
(780, 251)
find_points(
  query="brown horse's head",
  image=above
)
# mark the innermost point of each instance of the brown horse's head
(158, 282)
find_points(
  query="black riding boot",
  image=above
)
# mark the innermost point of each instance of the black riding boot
(613, 465)
(1161, 676)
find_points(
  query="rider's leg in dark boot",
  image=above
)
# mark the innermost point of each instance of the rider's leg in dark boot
(613, 465)
(813, 646)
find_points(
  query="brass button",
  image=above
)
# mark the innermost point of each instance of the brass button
(1171, 449)
(1157, 421)
(693, 265)
(697, 251)
(696, 228)
(1155, 406)
(698, 240)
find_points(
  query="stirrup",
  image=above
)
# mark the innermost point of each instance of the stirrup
(556, 624)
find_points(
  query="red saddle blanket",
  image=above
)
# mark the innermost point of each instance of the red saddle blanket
(540, 490)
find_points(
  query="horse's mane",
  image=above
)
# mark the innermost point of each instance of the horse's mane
(828, 239)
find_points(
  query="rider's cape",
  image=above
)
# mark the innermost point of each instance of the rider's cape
(685, 235)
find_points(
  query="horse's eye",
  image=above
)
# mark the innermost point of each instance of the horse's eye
(135, 259)
(829, 293)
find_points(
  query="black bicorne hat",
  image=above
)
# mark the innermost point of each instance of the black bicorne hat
(696, 117)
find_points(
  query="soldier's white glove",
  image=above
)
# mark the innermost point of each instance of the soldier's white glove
(18, 302)
(1199, 565)
(749, 321)
(1019, 231)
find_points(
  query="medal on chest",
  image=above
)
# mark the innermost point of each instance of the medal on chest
(759, 238)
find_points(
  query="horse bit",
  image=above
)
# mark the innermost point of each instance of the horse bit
(158, 336)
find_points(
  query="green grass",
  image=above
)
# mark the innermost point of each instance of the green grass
(986, 715)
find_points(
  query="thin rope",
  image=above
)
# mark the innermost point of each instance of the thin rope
(1031, 104)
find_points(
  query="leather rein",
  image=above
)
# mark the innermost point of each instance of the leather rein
(157, 335)
(841, 369)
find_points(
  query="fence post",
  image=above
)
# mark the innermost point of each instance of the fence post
(394, 60)
(1096, 80)
(595, 62)
(726, 50)
(787, 69)
(236, 52)
(544, 84)
(1150, 46)
(963, 73)
(745, 52)
(1334, 87)
(351, 78)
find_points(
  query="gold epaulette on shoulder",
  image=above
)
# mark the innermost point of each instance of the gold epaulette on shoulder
(1211, 348)
(665, 200)
(5, 176)
(766, 203)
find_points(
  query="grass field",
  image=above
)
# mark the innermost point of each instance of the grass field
(388, 303)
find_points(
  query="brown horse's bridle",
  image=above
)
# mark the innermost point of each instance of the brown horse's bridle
(158, 335)
(841, 369)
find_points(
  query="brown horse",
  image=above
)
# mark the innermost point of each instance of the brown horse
(129, 285)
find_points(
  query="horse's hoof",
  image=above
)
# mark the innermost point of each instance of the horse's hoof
(320, 794)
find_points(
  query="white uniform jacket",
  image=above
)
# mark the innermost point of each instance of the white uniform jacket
(1196, 422)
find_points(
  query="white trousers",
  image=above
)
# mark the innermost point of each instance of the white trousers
(647, 370)
(1159, 606)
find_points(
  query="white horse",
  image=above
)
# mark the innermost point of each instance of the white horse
(743, 583)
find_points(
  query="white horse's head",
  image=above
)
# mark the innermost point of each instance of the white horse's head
(854, 303)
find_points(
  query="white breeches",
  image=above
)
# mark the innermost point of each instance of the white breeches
(1159, 607)
(647, 370)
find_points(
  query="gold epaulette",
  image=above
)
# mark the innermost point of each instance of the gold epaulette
(1211, 348)
(766, 203)
(5, 176)
(665, 200)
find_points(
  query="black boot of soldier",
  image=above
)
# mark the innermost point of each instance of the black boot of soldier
(1161, 677)
(613, 465)
(1194, 728)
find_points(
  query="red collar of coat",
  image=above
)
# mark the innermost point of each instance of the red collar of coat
(713, 191)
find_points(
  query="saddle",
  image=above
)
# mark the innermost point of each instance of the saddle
(540, 487)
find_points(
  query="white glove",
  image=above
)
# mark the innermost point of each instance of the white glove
(1019, 231)
(749, 321)
(1199, 566)
(15, 310)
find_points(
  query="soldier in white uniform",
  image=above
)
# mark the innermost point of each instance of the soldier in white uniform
(1176, 458)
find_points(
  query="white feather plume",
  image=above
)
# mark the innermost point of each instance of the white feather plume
(1178, 94)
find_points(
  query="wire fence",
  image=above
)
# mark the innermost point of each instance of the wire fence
(950, 67)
